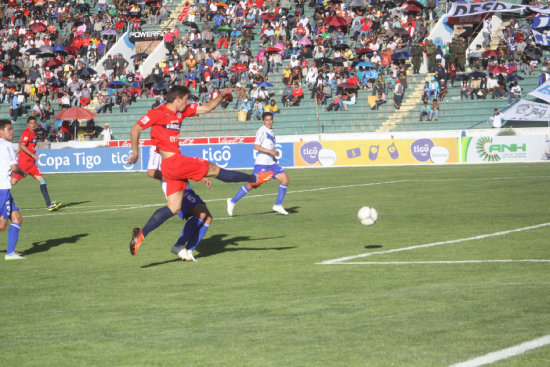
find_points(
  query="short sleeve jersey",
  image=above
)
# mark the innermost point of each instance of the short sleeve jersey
(28, 138)
(165, 126)
(265, 138)
(7, 159)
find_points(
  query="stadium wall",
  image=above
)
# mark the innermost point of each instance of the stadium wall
(337, 150)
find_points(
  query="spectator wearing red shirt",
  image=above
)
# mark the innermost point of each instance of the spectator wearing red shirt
(297, 95)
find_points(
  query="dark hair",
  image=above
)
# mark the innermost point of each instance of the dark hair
(265, 114)
(31, 118)
(177, 91)
(3, 123)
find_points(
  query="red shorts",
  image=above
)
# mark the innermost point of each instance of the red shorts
(178, 168)
(28, 165)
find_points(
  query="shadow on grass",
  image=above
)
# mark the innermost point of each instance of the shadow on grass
(291, 210)
(217, 244)
(42, 246)
(373, 246)
(74, 203)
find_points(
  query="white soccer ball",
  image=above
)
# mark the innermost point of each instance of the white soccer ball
(367, 215)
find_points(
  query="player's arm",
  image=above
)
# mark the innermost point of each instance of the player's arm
(207, 182)
(155, 173)
(261, 149)
(207, 107)
(23, 147)
(135, 133)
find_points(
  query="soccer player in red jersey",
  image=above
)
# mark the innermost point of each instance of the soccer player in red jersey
(165, 122)
(27, 162)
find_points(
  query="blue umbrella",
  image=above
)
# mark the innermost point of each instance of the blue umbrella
(86, 71)
(108, 31)
(365, 64)
(161, 86)
(59, 48)
(265, 84)
(33, 50)
(476, 74)
(403, 55)
(117, 83)
(141, 54)
(56, 81)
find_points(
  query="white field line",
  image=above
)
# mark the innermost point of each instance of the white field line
(444, 262)
(480, 237)
(505, 353)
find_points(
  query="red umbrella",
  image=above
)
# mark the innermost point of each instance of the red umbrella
(365, 50)
(75, 113)
(347, 85)
(335, 21)
(411, 8)
(415, 3)
(38, 27)
(497, 69)
(268, 16)
(249, 25)
(221, 4)
(71, 49)
(52, 62)
(273, 49)
(490, 53)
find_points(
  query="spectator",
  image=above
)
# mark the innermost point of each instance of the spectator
(434, 111)
(425, 111)
(297, 95)
(272, 107)
(398, 94)
(496, 119)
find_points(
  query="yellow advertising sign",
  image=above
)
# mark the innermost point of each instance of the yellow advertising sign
(376, 152)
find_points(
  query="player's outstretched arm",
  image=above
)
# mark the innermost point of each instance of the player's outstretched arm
(135, 133)
(207, 107)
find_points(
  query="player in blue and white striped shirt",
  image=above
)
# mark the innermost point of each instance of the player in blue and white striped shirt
(266, 160)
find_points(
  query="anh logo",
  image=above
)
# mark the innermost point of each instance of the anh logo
(483, 151)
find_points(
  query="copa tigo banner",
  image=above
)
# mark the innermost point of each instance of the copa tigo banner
(487, 149)
(376, 152)
(114, 159)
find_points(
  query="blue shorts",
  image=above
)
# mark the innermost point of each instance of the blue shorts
(190, 200)
(276, 168)
(7, 205)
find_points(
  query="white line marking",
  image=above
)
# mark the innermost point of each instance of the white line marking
(443, 262)
(338, 261)
(505, 353)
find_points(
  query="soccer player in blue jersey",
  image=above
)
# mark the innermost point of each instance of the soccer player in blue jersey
(8, 209)
(266, 160)
(193, 208)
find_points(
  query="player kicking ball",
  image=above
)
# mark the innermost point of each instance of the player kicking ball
(193, 209)
(165, 122)
(266, 160)
(27, 162)
(8, 209)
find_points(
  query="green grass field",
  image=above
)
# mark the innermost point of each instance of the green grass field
(258, 295)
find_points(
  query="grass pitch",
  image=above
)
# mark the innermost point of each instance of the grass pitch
(258, 295)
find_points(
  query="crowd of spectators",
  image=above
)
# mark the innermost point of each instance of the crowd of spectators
(51, 47)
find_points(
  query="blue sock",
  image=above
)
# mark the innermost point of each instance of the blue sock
(281, 195)
(240, 194)
(157, 219)
(188, 231)
(194, 242)
(44, 189)
(235, 176)
(13, 236)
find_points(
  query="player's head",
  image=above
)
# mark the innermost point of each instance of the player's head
(31, 122)
(6, 130)
(179, 95)
(267, 118)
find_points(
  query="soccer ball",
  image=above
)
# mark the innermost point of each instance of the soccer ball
(367, 215)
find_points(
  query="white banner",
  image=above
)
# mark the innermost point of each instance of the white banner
(467, 9)
(486, 149)
(542, 92)
(527, 111)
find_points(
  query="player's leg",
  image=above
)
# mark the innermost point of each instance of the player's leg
(245, 189)
(173, 205)
(226, 175)
(284, 180)
(44, 189)
(13, 236)
(204, 220)
(195, 209)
